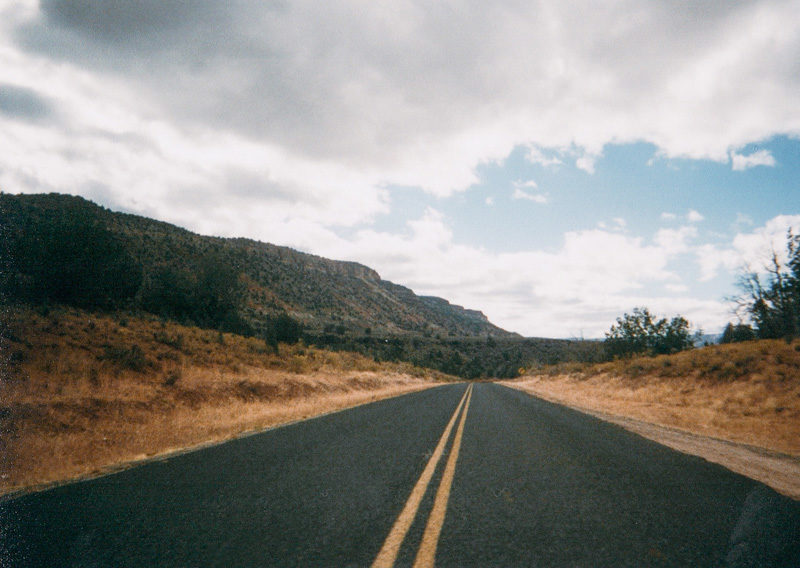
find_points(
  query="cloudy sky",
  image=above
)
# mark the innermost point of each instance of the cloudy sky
(552, 163)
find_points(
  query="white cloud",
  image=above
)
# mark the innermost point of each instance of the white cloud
(521, 193)
(586, 163)
(675, 241)
(668, 216)
(694, 217)
(617, 224)
(594, 276)
(755, 248)
(490, 201)
(176, 176)
(108, 144)
(405, 95)
(711, 259)
(759, 158)
(536, 156)
(751, 251)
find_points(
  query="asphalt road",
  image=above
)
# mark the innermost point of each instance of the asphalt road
(489, 477)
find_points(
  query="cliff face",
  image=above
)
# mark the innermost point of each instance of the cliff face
(322, 293)
(442, 304)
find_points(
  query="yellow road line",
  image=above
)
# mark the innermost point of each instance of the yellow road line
(388, 553)
(426, 554)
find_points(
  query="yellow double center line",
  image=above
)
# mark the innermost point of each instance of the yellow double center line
(430, 539)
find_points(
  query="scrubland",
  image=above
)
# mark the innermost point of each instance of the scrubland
(82, 393)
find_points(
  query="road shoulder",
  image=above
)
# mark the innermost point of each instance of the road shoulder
(777, 470)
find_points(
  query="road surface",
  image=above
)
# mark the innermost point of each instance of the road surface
(456, 475)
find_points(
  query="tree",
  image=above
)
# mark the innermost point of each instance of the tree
(209, 293)
(219, 293)
(771, 299)
(673, 336)
(70, 258)
(282, 329)
(641, 332)
(737, 333)
(169, 292)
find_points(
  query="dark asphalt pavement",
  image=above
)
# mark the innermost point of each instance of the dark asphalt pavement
(535, 484)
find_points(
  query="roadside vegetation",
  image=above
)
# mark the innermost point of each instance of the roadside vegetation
(642, 333)
(744, 392)
(771, 302)
(746, 389)
(768, 307)
(82, 391)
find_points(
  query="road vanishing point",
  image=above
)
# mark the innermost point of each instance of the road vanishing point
(457, 475)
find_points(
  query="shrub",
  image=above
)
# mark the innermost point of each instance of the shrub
(174, 341)
(282, 329)
(640, 332)
(132, 357)
(172, 376)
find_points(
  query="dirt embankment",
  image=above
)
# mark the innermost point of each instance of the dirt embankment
(83, 393)
(748, 422)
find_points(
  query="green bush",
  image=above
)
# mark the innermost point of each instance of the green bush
(641, 333)
(64, 256)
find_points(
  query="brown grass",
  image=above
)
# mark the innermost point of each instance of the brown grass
(747, 392)
(82, 392)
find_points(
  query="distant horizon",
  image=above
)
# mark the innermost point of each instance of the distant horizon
(705, 333)
(552, 166)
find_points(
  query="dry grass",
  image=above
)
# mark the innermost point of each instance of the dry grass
(746, 392)
(82, 392)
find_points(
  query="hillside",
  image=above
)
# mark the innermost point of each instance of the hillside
(320, 293)
(124, 261)
(82, 392)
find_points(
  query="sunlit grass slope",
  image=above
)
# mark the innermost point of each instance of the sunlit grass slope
(745, 392)
(80, 392)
